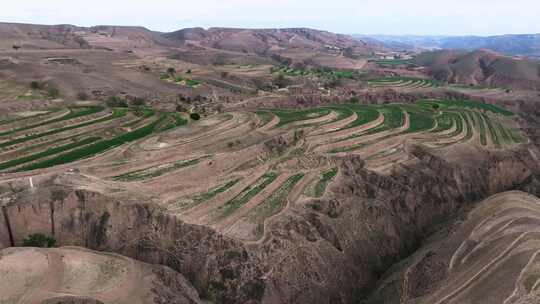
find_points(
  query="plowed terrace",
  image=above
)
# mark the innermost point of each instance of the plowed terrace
(237, 171)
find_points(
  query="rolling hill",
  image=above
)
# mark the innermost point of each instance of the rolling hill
(481, 67)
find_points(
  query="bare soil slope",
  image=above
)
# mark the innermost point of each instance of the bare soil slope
(78, 275)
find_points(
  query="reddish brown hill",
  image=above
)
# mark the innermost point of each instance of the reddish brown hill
(482, 67)
(270, 40)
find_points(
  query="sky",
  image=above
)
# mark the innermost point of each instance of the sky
(397, 17)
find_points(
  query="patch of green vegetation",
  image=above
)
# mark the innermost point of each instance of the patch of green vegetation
(95, 148)
(74, 112)
(273, 204)
(492, 132)
(195, 116)
(326, 178)
(46, 153)
(203, 197)
(288, 116)
(39, 240)
(400, 81)
(482, 126)
(393, 118)
(475, 105)
(192, 82)
(173, 120)
(264, 116)
(419, 120)
(392, 62)
(116, 114)
(143, 112)
(248, 193)
(505, 137)
(469, 124)
(445, 121)
(317, 72)
(347, 148)
(153, 172)
(365, 115)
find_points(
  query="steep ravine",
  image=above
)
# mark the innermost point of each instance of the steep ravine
(329, 250)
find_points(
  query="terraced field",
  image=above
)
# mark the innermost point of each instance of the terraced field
(404, 83)
(78, 133)
(237, 171)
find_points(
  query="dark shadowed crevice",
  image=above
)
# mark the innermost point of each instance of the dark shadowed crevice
(8, 226)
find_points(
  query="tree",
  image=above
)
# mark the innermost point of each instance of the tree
(171, 71)
(39, 240)
(195, 116)
(435, 106)
(188, 71)
(16, 47)
(34, 85)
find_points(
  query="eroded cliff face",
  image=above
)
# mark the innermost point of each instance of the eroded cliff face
(136, 229)
(329, 250)
(334, 250)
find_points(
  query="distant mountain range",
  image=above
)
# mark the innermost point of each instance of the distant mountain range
(525, 45)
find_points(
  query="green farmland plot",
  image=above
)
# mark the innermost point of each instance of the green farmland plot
(290, 116)
(95, 148)
(248, 193)
(74, 112)
(273, 204)
(117, 113)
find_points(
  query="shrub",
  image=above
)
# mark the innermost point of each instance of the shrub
(354, 99)
(188, 71)
(39, 240)
(16, 47)
(35, 85)
(171, 71)
(195, 116)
